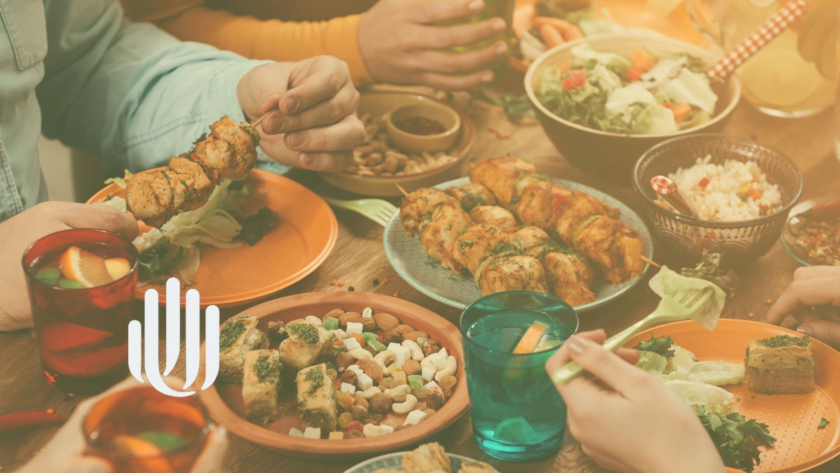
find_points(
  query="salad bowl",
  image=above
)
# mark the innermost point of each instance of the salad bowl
(609, 155)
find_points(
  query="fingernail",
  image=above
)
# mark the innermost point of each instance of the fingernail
(274, 125)
(499, 25)
(577, 344)
(501, 48)
(476, 5)
(308, 160)
(290, 105)
(806, 331)
(487, 77)
(296, 139)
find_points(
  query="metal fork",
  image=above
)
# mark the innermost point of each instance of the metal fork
(681, 306)
(378, 210)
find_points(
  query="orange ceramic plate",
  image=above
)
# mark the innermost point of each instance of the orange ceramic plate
(792, 418)
(304, 237)
(224, 401)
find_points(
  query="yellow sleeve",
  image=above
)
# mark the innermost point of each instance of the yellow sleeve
(259, 39)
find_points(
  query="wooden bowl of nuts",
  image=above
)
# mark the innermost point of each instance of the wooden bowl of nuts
(337, 375)
(379, 164)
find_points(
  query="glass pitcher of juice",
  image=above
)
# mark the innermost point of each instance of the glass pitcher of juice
(492, 9)
(81, 287)
(796, 73)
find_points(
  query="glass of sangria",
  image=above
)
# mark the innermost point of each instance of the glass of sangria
(81, 287)
(140, 430)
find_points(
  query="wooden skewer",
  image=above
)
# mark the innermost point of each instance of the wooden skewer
(401, 189)
(259, 120)
(649, 261)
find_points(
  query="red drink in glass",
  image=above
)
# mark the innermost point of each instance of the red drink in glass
(140, 430)
(82, 331)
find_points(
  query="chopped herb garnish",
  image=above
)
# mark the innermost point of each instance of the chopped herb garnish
(660, 345)
(305, 332)
(785, 341)
(736, 438)
(823, 423)
(316, 375)
(267, 371)
(230, 333)
(156, 263)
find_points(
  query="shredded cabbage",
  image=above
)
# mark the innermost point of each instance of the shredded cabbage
(669, 282)
(653, 363)
(584, 51)
(691, 88)
(653, 118)
(697, 393)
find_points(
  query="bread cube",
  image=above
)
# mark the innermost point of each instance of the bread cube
(306, 343)
(316, 398)
(238, 336)
(260, 385)
(780, 365)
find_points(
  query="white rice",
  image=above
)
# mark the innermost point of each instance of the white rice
(720, 200)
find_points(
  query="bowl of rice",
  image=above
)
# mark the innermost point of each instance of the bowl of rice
(742, 191)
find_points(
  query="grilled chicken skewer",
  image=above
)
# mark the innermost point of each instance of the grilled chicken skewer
(187, 182)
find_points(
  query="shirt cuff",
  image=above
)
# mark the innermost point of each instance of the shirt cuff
(342, 40)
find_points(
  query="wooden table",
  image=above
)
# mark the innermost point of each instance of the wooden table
(358, 258)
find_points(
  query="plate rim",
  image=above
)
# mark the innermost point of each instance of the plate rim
(393, 226)
(833, 452)
(231, 300)
(355, 468)
(456, 407)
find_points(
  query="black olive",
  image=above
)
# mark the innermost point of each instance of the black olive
(277, 331)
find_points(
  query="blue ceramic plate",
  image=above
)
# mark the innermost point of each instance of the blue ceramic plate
(411, 263)
(392, 461)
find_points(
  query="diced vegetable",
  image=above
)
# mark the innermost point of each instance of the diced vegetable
(704, 182)
(634, 74)
(331, 323)
(574, 79)
(642, 60)
(681, 111)
(377, 346)
(754, 193)
(416, 381)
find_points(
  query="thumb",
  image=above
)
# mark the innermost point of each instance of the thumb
(823, 330)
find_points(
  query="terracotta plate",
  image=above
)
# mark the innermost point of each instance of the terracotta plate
(792, 418)
(224, 402)
(304, 237)
(393, 462)
(409, 260)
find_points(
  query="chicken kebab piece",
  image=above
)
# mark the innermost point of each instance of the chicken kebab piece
(480, 242)
(499, 175)
(438, 236)
(186, 183)
(471, 195)
(417, 208)
(494, 215)
(510, 273)
(616, 248)
(568, 274)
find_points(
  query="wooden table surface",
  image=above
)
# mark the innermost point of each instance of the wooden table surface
(358, 258)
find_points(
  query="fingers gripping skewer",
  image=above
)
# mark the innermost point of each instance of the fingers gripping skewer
(259, 120)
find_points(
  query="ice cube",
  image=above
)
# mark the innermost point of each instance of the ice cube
(515, 430)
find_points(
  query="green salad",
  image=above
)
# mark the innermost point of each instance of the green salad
(648, 93)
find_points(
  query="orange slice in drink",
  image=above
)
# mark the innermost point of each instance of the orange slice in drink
(84, 267)
(117, 267)
(531, 339)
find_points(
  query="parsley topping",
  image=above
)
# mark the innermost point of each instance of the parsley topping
(230, 333)
(660, 345)
(267, 371)
(305, 332)
(316, 375)
(785, 341)
(823, 423)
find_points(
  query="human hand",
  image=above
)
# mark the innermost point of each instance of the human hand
(20, 231)
(399, 45)
(65, 452)
(315, 125)
(811, 286)
(630, 422)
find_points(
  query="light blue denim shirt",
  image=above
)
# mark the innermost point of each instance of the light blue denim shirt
(76, 70)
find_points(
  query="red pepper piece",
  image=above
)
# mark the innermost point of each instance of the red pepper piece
(20, 420)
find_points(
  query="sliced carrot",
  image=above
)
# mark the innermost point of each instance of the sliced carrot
(668, 105)
(569, 31)
(562, 67)
(551, 37)
(642, 60)
(754, 193)
(634, 74)
(531, 338)
(681, 111)
(704, 182)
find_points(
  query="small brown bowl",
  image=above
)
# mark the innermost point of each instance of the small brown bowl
(448, 117)
(224, 401)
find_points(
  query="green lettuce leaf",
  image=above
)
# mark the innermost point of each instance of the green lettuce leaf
(651, 362)
(691, 88)
(701, 394)
(668, 282)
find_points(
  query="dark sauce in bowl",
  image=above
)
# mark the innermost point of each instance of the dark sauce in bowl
(418, 125)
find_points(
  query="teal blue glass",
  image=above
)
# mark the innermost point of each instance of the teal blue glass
(517, 414)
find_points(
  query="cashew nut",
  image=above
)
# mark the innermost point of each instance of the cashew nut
(405, 407)
(373, 430)
(416, 352)
(339, 334)
(383, 358)
(448, 370)
(399, 393)
(360, 354)
(429, 362)
(312, 320)
(369, 392)
(367, 313)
